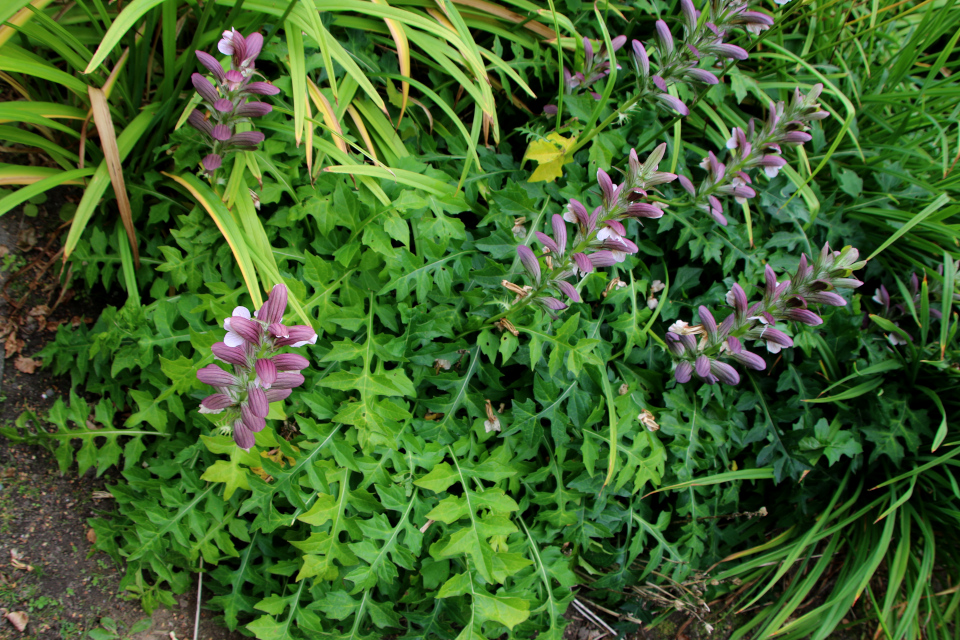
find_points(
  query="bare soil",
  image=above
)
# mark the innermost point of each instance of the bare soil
(49, 570)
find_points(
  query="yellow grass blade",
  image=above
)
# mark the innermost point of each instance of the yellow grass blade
(111, 155)
(298, 77)
(130, 136)
(503, 13)
(329, 118)
(399, 36)
(13, 174)
(358, 122)
(228, 227)
(309, 135)
(20, 19)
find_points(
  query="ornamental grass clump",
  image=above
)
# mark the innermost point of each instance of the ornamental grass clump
(261, 374)
(700, 349)
(227, 100)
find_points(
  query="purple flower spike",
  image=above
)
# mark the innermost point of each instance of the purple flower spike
(552, 304)
(674, 103)
(659, 83)
(689, 14)
(216, 377)
(602, 259)
(242, 435)
(212, 65)
(568, 290)
(560, 232)
(548, 242)
(724, 372)
(212, 162)
(251, 420)
(606, 186)
(644, 210)
(290, 362)
(257, 401)
(266, 372)
(640, 55)
(287, 380)
(250, 330)
(223, 105)
(221, 132)
(272, 310)
(216, 403)
(198, 122)
(278, 330)
(706, 319)
(749, 359)
(262, 89)
(577, 213)
(205, 88)
(277, 395)
(827, 297)
(702, 75)
(686, 184)
(675, 344)
(664, 37)
(298, 336)
(730, 51)
(584, 265)
(737, 298)
(550, 110)
(684, 372)
(247, 139)
(805, 316)
(529, 262)
(230, 355)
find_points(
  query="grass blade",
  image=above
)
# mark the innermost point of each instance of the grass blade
(111, 155)
(101, 177)
(127, 19)
(212, 203)
(941, 200)
(20, 196)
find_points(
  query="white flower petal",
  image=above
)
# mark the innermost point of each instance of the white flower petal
(233, 339)
(241, 312)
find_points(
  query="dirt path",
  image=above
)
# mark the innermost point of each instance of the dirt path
(47, 572)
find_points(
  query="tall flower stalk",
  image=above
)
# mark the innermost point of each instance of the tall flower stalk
(261, 374)
(786, 124)
(704, 350)
(678, 60)
(227, 99)
(599, 239)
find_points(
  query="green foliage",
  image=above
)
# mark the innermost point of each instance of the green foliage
(438, 475)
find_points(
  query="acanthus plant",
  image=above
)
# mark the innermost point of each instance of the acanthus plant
(261, 374)
(785, 124)
(700, 350)
(228, 101)
(600, 238)
(675, 61)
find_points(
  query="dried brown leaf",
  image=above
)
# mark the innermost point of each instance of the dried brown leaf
(18, 619)
(12, 344)
(26, 365)
(91, 536)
